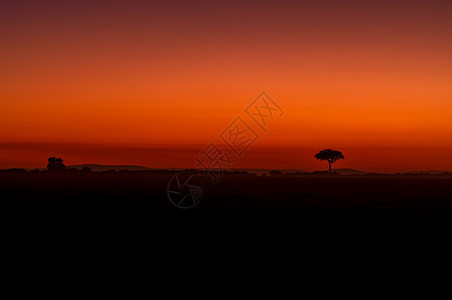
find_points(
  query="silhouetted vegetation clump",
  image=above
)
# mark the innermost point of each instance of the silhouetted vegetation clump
(275, 173)
(55, 164)
(298, 173)
(86, 169)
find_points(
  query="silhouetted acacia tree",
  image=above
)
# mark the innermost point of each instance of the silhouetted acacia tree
(55, 164)
(329, 155)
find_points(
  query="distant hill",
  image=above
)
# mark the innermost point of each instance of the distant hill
(266, 171)
(100, 168)
(345, 171)
(349, 172)
(425, 172)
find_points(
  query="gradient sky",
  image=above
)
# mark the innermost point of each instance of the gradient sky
(147, 83)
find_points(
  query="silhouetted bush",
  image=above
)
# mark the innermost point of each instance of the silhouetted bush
(55, 164)
(86, 169)
(275, 173)
(297, 173)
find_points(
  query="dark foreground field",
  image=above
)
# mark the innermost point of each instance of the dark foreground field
(133, 206)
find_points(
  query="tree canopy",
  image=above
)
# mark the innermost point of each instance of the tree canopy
(55, 163)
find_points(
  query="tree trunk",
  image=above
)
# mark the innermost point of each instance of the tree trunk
(329, 166)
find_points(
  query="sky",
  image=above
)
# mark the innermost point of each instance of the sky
(152, 83)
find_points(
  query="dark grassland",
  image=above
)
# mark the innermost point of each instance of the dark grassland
(240, 209)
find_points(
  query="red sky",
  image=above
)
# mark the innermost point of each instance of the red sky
(133, 82)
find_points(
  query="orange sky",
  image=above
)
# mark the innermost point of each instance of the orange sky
(373, 80)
